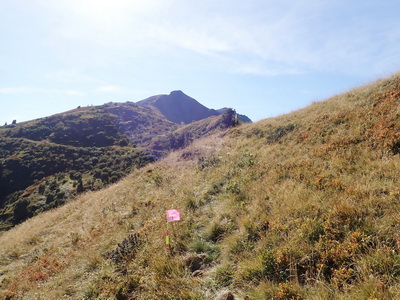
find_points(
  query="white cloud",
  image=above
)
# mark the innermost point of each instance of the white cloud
(264, 70)
(119, 90)
(73, 93)
(33, 90)
(70, 75)
(20, 90)
(110, 89)
(284, 36)
(190, 38)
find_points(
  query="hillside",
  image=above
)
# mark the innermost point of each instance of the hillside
(302, 206)
(46, 162)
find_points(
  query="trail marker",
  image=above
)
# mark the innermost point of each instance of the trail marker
(173, 215)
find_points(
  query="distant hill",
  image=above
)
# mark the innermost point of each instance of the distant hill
(301, 206)
(179, 108)
(48, 161)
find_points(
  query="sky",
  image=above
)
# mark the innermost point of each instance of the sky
(263, 58)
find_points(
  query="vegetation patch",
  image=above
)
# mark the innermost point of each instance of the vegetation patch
(279, 133)
(126, 249)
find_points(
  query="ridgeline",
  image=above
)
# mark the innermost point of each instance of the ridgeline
(46, 162)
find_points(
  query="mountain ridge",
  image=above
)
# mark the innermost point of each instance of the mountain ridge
(82, 149)
(179, 108)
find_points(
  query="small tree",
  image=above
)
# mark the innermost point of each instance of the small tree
(14, 122)
(21, 212)
(80, 187)
(230, 117)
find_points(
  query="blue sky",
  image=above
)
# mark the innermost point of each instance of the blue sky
(264, 58)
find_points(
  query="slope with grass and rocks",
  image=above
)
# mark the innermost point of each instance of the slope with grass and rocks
(47, 162)
(302, 206)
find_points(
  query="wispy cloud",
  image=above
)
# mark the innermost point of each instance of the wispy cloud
(70, 75)
(285, 36)
(263, 69)
(20, 90)
(282, 37)
(73, 93)
(110, 89)
(288, 36)
(119, 90)
(34, 90)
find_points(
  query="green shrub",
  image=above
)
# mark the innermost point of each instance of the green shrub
(224, 275)
(21, 211)
(199, 245)
(269, 264)
(220, 227)
(157, 179)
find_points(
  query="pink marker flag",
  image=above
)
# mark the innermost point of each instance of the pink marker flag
(173, 215)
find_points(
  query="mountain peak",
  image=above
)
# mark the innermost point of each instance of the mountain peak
(179, 108)
(177, 92)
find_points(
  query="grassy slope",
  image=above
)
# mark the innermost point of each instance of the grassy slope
(305, 205)
(46, 162)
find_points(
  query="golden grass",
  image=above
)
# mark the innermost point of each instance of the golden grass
(302, 206)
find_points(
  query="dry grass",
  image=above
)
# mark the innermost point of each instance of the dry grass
(303, 206)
